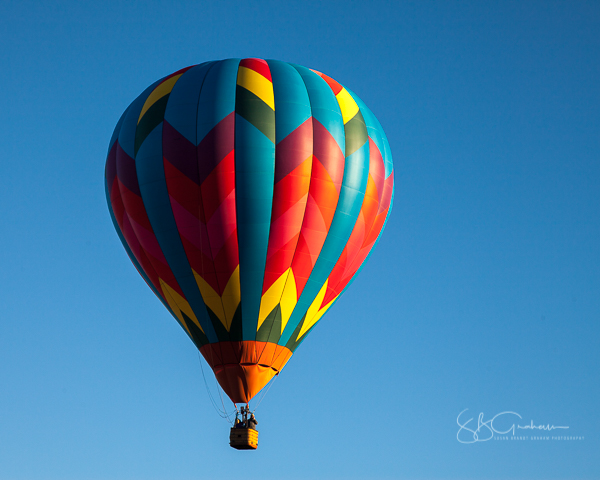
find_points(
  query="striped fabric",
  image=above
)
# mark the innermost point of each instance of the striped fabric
(247, 194)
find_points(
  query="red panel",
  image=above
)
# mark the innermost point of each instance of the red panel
(376, 168)
(116, 203)
(303, 263)
(184, 190)
(222, 224)
(218, 185)
(279, 262)
(148, 242)
(294, 150)
(324, 196)
(218, 197)
(186, 204)
(363, 253)
(326, 179)
(285, 229)
(215, 146)
(329, 154)
(230, 352)
(291, 188)
(227, 261)
(131, 239)
(388, 188)
(201, 185)
(292, 156)
(134, 206)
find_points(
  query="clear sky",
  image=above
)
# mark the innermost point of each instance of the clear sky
(483, 293)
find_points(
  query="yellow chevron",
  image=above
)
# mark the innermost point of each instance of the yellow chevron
(289, 299)
(257, 84)
(159, 92)
(314, 314)
(283, 293)
(271, 298)
(231, 296)
(211, 298)
(178, 304)
(348, 106)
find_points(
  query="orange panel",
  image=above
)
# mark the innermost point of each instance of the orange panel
(244, 368)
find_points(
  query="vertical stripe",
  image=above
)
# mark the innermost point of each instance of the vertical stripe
(354, 185)
(378, 137)
(182, 108)
(324, 106)
(182, 180)
(141, 234)
(325, 183)
(153, 188)
(326, 176)
(110, 187)
(293, 164)
(255, 173)
(215, 156)
(217, 99)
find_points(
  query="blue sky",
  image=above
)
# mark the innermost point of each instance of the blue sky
(483, 293)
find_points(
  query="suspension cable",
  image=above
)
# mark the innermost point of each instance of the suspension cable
(223, 403)
(222, 413)
(271, 382)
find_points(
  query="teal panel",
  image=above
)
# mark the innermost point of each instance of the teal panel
(217, 98)
(153, 187)
(182, 109)
(255, 173)
(324, 106)
(292, 105)
(376, 133)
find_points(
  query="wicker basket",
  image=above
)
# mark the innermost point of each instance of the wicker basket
(243, 438)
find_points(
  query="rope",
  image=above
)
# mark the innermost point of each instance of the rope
(223, 403)
(222, 413)
(271, 382)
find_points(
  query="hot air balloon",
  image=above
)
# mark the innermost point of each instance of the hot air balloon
(248, 193)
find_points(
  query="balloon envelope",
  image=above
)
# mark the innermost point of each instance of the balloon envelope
(247, 193)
